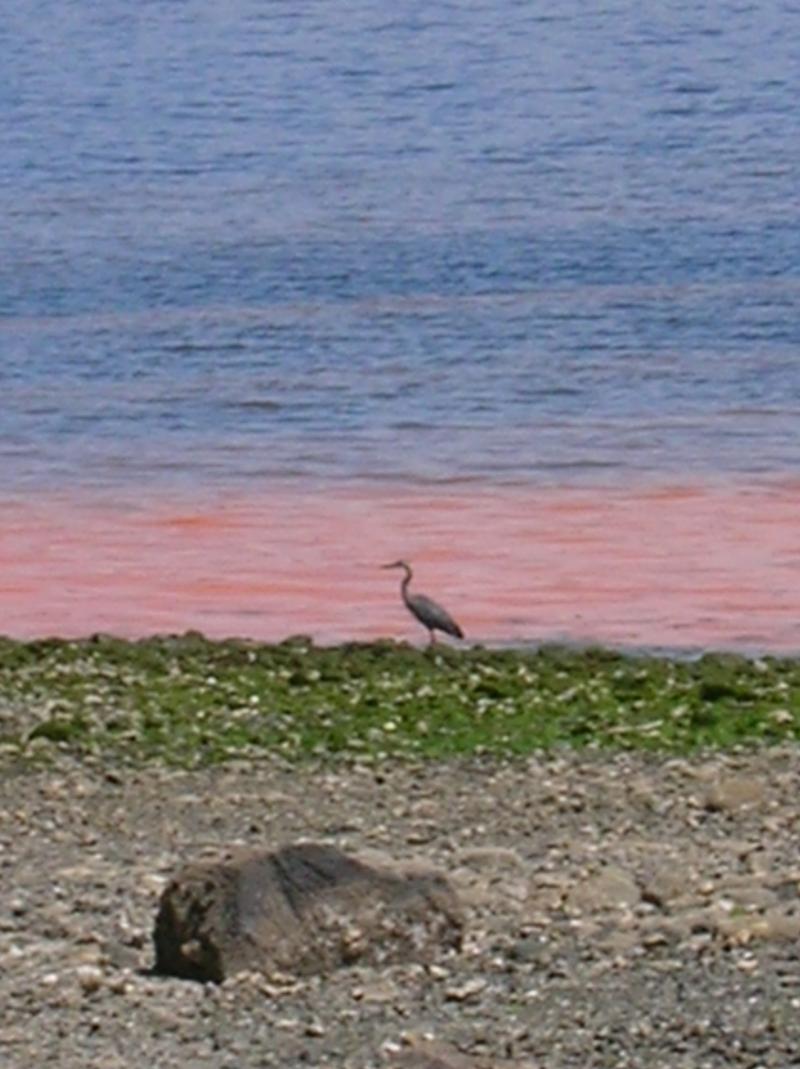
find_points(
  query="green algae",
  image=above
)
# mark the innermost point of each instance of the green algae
(187, 700)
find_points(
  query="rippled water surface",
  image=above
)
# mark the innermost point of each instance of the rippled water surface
(676, 567)
(282, 252)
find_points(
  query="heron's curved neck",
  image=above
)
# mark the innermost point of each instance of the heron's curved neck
(406, 580)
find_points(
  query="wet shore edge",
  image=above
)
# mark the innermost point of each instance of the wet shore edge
(189, 701)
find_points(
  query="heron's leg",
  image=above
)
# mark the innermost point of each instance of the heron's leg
(433, 636)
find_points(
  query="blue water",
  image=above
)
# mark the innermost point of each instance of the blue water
(509, 241)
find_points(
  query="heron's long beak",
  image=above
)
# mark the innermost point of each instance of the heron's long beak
(394, 564)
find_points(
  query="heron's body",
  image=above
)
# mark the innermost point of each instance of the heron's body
(429, 612)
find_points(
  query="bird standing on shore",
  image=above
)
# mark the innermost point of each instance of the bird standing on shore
(429, 613)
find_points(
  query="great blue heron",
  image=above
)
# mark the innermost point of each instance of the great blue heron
(429, 613)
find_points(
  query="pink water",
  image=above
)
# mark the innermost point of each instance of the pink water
(666, 565)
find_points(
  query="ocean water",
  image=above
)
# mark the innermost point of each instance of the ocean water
(296, 265)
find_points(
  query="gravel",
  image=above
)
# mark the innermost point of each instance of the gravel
(626, 910)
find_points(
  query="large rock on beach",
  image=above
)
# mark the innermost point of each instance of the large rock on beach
(306, 908)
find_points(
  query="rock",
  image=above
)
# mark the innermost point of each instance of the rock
(493, 858)
(737, 929)
(378, 992)
(748, 894)
(532, 949)
(431, 1054)
(307, 908)
(782, 923)
(731, 792)
(90, 978)
(609, 888)
(665, 884)
(467, 991)
(775, 925)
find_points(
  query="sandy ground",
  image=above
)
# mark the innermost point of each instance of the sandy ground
(623, 911)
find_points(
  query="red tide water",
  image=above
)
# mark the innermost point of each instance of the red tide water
(668, 565)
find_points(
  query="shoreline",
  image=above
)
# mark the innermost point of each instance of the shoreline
(190, 701)
(628, 868)
(667, 565)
